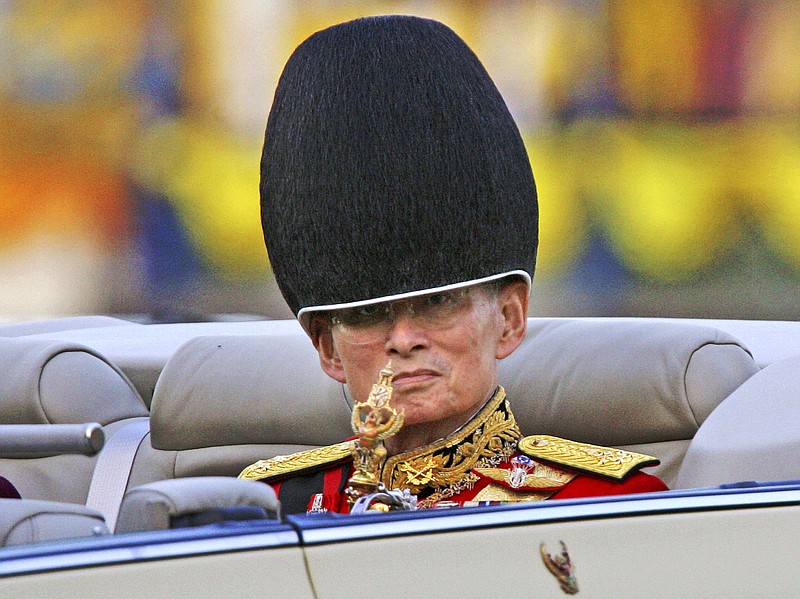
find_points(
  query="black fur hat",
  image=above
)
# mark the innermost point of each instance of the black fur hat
(392, 168)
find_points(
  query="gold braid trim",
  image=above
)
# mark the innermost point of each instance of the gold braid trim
(605, 461)
(297, 462)
(484, 441)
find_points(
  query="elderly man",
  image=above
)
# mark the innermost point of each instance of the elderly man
(400, 215)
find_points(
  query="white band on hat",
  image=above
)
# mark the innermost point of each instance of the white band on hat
(304, 315)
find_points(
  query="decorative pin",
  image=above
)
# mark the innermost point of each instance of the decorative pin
(316, 505)
(373, 421)
(521, 466)
(560, 566)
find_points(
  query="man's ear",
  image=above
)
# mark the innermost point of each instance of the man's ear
(322, 338)
(513, 303)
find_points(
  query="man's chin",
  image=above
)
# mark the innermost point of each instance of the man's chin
(415, 415)
(420, 415)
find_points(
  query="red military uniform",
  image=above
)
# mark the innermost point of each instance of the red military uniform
(484, 462)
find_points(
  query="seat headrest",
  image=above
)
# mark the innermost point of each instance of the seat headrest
(260, 389)
(607, 382)
(753, 435)
(621, 382)
(55, 382)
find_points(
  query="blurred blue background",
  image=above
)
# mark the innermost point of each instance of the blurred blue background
(663, 136)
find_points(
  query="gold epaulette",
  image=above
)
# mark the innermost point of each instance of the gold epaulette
(296, 463)
(605, 461)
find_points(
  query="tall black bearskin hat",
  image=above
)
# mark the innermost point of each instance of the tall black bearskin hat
(392, 168)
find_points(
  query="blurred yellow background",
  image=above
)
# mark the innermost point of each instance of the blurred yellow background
(664, 139)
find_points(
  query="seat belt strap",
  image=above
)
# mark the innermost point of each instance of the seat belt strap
(113, 470)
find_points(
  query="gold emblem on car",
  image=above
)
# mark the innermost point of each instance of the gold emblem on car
(560, 566)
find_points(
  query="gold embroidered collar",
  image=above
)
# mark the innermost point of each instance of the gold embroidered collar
(485, 440)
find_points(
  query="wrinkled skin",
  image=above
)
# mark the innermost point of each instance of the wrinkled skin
(442, 377)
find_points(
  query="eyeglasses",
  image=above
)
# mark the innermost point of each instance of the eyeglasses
(372, 322)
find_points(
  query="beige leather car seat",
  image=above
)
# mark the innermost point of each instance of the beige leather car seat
(753, 436)
(50, 382)
(223, 402)
(29, 521)
(646, 386)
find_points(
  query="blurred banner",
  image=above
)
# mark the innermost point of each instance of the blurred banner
(664, 139)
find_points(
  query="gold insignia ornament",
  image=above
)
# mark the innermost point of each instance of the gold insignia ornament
(560, 566)
(520, 468)
(493, 492)
(605, 461)
(444, 468)
(373, 420)
(420, 472)
(541, 477)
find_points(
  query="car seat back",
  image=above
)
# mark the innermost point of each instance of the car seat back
(753, 435)
(645, 386)
(223, 402)
(52, 382)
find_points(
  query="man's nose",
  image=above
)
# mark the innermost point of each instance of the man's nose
(406, 334)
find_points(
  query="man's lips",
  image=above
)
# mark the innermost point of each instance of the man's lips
(410, 377)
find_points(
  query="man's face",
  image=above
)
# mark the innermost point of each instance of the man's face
(443, 348)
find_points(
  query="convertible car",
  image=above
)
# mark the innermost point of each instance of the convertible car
(125, 439)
